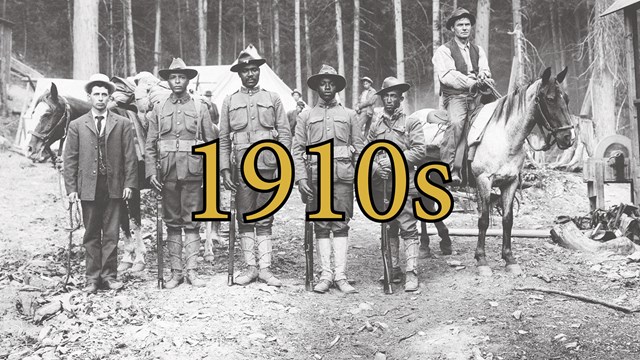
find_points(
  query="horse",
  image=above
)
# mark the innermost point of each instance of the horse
(496, 140)
(54, 113)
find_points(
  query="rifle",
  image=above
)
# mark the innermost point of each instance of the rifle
(232, 227)
(386, 246)
(308, 243)
(159, 239)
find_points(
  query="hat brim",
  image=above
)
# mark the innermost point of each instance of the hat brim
(339, 80)
(109, 85)
(189, 73)
(453, 20)
(259, 62)
(402, 87)
(367, 79)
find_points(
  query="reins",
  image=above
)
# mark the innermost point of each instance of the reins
(550, 135)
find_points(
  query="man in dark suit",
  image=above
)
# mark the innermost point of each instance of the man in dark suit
(100, 170)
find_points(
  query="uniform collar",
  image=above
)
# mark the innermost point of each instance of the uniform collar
(330, 104)
(245, 90)
(182, 100)
(389, 120)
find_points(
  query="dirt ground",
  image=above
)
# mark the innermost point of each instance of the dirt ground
(454, 313)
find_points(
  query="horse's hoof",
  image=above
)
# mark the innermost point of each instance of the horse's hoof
(209, 258)
(485, 270)
(124, 266)
(514, 269)
(138, 267)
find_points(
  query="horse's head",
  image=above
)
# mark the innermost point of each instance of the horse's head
(553, 110)
(50, 114)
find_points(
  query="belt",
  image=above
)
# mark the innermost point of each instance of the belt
(250, 137)
(177, 145)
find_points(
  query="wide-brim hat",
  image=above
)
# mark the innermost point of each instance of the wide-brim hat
(391, 83)
(460, 13)
(366, 78)
(327, 72)
(99, 80)
(246, 58)
(178, 67)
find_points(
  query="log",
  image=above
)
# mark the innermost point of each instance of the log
(517, 233)
(580, 297)
(569, 236)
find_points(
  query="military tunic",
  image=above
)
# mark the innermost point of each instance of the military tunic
(174, 127)
(248, 116)
(324, 122)
(408, 134)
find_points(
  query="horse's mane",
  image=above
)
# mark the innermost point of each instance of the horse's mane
(511, 104)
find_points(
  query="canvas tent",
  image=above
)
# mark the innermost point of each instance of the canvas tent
(221, 82)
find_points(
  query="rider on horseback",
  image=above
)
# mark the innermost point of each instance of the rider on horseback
(461, 68)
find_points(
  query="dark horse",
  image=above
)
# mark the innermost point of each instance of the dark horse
(497, 137)
(55, 112)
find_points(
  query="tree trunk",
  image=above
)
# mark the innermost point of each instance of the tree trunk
(157, 45)
(219, 32)
(554, 35)
(244, 25)
(86, 61)
(356, 53)
(518, 44)
(307, 47)
(202, 31)
(110, 53)
(483, 21)
(131, 49)
(276, 37)
(180, 30)
(603, 84)
(297, 45)
(340, 46)
(259, 16)
(397, 5)
(436, 44)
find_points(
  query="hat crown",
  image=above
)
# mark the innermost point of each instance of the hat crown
(390, 81)
(327, 70)
(99, 77)
(177, 64)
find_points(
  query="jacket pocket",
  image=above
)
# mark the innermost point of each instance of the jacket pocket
(238, 116)
(316, 130)
(344, 170)
(341, 129)
(165, 121)
(191, 122)
(194, 164)
(266, 114)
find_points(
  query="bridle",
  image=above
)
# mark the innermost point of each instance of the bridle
(545, 126)
(62, 121)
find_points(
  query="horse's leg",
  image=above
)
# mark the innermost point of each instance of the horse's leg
(483, 186)
(508, 193)
(425, 251)
(127, 259)
(139, 249)
(445, 240)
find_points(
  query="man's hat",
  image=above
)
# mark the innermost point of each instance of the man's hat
(327, 72)
(301, 104)
(460, 13)
(296, 91)
(123, 84)
(208, 93)
(391, 83)
(245, 58)
(178, 67)
(366, 78)
(99, 80)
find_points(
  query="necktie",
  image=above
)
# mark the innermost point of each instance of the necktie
(99, 125)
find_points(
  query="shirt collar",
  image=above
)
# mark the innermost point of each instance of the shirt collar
(461, 45)
(94, 113)
(182, 100)
(330, 104)
(397, 114)
(245, 90)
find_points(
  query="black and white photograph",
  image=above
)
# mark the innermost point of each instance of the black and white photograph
(319, 179)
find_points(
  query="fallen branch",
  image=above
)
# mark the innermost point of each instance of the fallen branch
(580, 297)
(516, 233)
(407, 337)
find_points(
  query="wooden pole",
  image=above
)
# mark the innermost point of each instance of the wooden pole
(397, 5)
(633, 81)
(307, 48)
(202, 31)
(340, 46)
(157, 45)
(297, 45)
(5, 64)
(131, 49)
(219, 32)
(516, 233)
(356, 53)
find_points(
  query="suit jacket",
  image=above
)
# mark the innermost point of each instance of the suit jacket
(81, 156)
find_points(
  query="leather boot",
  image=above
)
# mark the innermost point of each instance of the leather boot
(175, 280)
(340, 248)
(247, 276)
(322, 286)
(411, 281)
(192, 278)
(264, 261)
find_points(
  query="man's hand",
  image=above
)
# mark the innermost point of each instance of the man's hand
(384, 172)
(155, 183)
(483, 75)
(126, 194)
(305, 190)
(384, 162)
(226, 180)
(73, 197)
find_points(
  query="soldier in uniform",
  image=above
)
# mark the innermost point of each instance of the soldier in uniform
(249, 115)
(394, 125)
(329, 120)
(176, 124)
(365, 104)
(460, 67)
